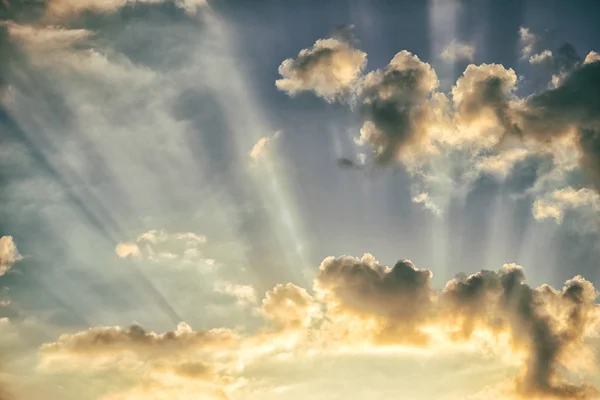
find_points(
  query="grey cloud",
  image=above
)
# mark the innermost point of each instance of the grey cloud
(572, 107)
(544, 322)
(502, 299)
(394, 105)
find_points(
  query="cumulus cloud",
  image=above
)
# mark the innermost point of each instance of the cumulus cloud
(330, 68)
(482, 127)
(503, 299)
(394, 104)
(400, 297)
(458, 51)
(358, 301)
(288, 306)
(8, 254)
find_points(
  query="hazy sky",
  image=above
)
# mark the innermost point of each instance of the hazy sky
(208, 199)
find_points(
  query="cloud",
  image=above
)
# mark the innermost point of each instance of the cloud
(400, 297)
(357, 302)
(483, 126)
(542, 57)
(8, 254)
(495, 299)
(591, 57)
(458, 51)
(330, 68)
(572, 108)
(262, 146)
(245, 294)
(45, 38)
(558, 202)
(500, 165)
(160, 246)
(127, 249)
(288, 306)
(394, 104)
(64, 8)
(528, 42)
(482, 99)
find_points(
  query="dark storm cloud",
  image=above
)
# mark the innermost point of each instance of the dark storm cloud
(572, 107)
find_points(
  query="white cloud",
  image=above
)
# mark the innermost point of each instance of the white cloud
(127, 249)
(8, 254)
(591, 57)
(554, 205)
(160, 246)
(542, 57)
(458, 51)
(330, 68)
(245, 294)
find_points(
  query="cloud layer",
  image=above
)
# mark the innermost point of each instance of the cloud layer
(357, 302)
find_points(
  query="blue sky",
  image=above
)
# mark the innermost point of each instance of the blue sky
(155, 170)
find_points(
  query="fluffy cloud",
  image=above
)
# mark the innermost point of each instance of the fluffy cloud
(330, 68)
(458, 51)
(357, 301)
(502, 299)
(399, 297)
(288, 306)
(8, 254)
(394, 103)
(483, 127)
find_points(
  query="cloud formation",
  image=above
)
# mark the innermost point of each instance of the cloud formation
(360, 301)
(8, 254)
(447, 140)
(330, 68)
(64, 8)
(158, 246)
(458, 51)
(394, 103)
(261, 147)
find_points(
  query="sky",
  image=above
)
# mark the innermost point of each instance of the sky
(243, 200)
